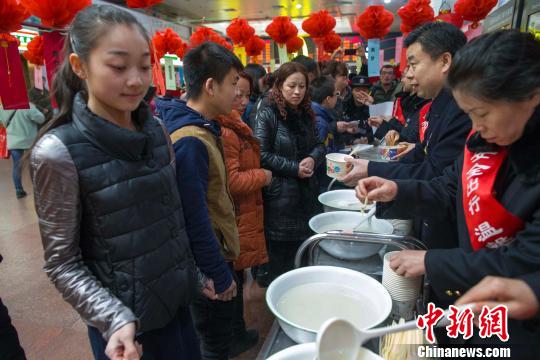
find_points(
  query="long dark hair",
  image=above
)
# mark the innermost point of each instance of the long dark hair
(276, 96)
(84, 33)
(507, 69)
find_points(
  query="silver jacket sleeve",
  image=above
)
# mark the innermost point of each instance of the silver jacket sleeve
(56, 193)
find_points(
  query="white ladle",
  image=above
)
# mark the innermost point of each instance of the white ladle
(339, 339)
(367, 217)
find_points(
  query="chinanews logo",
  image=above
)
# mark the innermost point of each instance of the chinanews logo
(491, 322)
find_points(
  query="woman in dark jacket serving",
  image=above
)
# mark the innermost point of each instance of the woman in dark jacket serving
(290, 149)
(492, 192)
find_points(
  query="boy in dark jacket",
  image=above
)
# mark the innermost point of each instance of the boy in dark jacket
(324, 97)
(211, 74)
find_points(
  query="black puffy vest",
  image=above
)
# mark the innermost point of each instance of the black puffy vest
(132, 236)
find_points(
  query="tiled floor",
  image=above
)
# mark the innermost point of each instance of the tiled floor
(48, 327)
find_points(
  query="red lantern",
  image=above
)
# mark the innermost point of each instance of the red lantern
(294, 44)
(142, 3)
(281, 29)
(452, 18)
(239, 31)
(331, 42)
(319, 24)
(34, 54)
(168, 42)
(254, 46)
(12, 14)
(415, 13)
(474, 10)
(55, 13)
(374, 22)
(203, 34)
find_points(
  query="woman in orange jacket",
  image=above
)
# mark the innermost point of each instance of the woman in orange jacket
(246, 180)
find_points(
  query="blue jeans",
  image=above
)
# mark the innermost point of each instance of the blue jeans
(177, 340)
(16, 155)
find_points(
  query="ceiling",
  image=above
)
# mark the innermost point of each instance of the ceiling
(219, 13)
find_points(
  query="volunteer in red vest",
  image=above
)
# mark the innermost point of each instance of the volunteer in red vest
(430, 51)
(403, 125)
(491, 195)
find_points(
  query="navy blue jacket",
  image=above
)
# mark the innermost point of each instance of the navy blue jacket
(443, 143)
(192, 180)
(326, 127)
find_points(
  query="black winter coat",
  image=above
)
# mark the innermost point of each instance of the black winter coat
(454, 271)
(289, 202)
(443, 144)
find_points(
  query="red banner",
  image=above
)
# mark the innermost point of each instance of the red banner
(53, 43)
(12, 86)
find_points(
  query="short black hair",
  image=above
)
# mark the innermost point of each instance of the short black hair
(508, 68)
(208, 60)
(322, 87)
(387, 66)
(437, 38)
(335, 68)
(310, 64)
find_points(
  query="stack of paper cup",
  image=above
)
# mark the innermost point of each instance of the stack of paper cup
(400, 288)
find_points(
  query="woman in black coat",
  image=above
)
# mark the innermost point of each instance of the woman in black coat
(492, 193)
(290, 149)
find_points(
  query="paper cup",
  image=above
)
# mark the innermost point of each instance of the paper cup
(336, 166)
(390, 152)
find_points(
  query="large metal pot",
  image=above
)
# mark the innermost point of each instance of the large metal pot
(375, 298)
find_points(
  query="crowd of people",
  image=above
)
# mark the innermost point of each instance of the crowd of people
(151, 216)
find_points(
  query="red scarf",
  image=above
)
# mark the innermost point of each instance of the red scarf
(398, 112)
(489, 223)
(423, 123)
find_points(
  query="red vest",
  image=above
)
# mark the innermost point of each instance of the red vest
(423, 123)
(489, 223)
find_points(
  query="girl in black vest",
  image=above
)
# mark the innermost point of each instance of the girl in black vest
(492, 193)
(109, 212)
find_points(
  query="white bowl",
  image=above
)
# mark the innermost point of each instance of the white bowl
(300, 316)
(339, 200)
(309, 351)
(346, 221)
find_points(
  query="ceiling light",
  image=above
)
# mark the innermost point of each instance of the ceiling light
(298, 6)
(387, 1)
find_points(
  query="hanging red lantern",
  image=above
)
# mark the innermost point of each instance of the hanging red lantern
(319, 24)
(239, 31)
(168, 42)
(452, 18)
(415, 13)
(203, 34)
(254, 46)
(294, 44)
(34, 54)
(55, 13)
(474, 10)
(374, 22)
(331, 42)
(281, 29)
(12, 14)
(142, 3)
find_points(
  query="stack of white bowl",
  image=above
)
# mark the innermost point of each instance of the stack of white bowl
(401, 289)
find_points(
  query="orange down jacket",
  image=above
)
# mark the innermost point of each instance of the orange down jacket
(246, 179)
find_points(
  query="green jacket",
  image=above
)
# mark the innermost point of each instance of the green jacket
(23, 127)
(380, 95)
